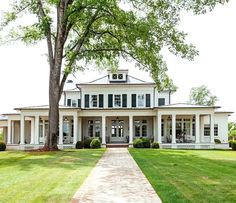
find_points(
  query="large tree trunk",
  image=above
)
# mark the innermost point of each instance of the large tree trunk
(54, 98)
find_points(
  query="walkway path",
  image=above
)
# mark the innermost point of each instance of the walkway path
(116, 179)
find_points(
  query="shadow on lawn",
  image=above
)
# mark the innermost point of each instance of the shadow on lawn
(62, 159)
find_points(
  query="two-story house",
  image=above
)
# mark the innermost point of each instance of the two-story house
(119, 108)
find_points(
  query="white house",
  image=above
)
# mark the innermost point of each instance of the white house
(119, 108)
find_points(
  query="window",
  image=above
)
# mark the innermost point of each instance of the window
(120, 76)
(140, 100)
(162, 127)
(114, 76)
(117, 100)
(94, 100)
(207, 130)
(68, 102)
(140, 128)
(74, 104)
(97, 128)
(216, 130)
(90, 128)
(161, 101)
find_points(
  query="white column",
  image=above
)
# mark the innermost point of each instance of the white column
(32, 135)
(22, 129)
(103, 130)
(12, 131)
(36, 127)
(61, 129)
(75, 118)
(212, 128)
(173, 128)
(44, 131)
(197, 128)
(159, 140)
(79, 129)
(130, 130)
(154, 128)
(9, 131)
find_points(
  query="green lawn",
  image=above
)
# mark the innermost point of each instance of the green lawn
(44, 176)
(190, 175)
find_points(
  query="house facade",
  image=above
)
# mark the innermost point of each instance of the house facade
(119, 108)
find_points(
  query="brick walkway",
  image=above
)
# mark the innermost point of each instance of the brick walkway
(116, 178)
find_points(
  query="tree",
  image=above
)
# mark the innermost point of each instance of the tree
(100, 32)
(202, 96)
(232, 130)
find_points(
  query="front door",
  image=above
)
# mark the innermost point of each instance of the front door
(117, 131)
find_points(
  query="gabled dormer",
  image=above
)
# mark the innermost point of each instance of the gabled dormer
(118, 76)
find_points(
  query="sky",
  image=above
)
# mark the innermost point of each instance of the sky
(24, 69)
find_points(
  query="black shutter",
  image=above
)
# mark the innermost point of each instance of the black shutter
(86, 100)
(68, 102)
(100, 100)
(79, 102)
(124, 100)
(148, 103)
(110, 100)
(133, 100)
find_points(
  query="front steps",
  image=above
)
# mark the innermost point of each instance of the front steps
(117, 145)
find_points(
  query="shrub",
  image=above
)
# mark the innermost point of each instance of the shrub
(95, 143)
(233, 145)
(146, 142)
(230, 143)
(79, 145)
(87, 142)
(138, 143)
(2, 146)
(155, 145)
(217, 141)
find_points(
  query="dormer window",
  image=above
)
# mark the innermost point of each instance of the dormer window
(114, 76)
(120, 76)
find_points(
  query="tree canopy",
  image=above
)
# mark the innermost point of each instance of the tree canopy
(202, 96)
(100, 32)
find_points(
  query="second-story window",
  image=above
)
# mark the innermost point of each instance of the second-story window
(94, 101)
(114, 76)
(140, 100)
(117, 100)
(74, 103)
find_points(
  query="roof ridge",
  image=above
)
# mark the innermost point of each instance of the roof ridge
(98, 79)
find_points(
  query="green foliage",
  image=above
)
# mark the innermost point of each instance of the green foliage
(101, 32)
(2, 146)
(138, 143)
(95, 143)
(1, 136)
(146, 142)
(87, 142)
(217, 141)
(232, 130)
(155, 145)
(233, 145)
(230, 143)
(202, 96)
(79, 145)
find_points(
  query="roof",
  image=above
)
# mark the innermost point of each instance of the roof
(185, 105)
(105, 80)
(3, 118)
(42, 107)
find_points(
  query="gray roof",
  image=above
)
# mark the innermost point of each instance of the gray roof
(185, 105)
(105, 80)
(42, 107)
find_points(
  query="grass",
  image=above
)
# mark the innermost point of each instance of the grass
(44, 176)
(190, 175)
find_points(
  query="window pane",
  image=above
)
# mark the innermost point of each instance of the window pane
(140, 100)
(94, 101)
(97, 128)
(144, 130)
(117, 102)
(216, 130)
(90, 128)
(206, 130)
(74, 104)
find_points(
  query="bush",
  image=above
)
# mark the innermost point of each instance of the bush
(87, 142)
(230, 143)
(146, 142)
(138, 143)
(233, 145)
(95, 144)
(155, 145)
(2, 146)
(79, 145)
(217, 141)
